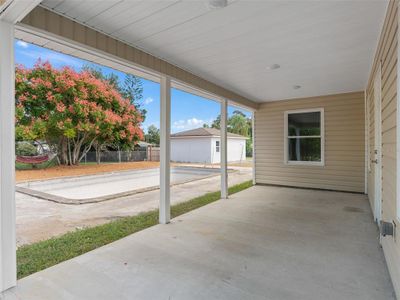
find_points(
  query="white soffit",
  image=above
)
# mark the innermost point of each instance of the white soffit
(326, 47)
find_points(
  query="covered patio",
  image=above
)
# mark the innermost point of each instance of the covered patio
(262, 243)
(322, 82)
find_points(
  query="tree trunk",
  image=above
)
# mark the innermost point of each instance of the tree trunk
(70, 151)
(63, 152)
(98, 153)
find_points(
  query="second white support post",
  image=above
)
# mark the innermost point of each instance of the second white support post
(224, 148)
(8, 271)
(253, 136)
(165, 149)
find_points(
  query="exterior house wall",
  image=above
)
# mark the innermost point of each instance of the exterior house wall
(344, 167)
(196, 150)
(236, 150)
(386, 57)
(203, 150)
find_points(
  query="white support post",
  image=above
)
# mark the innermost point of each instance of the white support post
(253, 135)
(398, 127)
(8, 272)
(165, 149)
(224, 152)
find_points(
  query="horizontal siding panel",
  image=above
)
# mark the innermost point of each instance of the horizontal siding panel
(341, 106)
(389, 61)
(387, 54)
(344, 144)
(352, 188)
(314, 181)
(389, 109)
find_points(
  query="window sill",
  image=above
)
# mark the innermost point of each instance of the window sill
(305, 163)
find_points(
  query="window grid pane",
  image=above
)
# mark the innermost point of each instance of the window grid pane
(304, 124)
(304, 136)
(304, 149)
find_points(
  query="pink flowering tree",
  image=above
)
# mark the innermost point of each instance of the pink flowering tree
(72, 111)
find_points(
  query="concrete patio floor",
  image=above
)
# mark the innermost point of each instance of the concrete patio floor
(262, 243)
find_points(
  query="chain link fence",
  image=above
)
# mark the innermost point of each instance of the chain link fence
(149, 154)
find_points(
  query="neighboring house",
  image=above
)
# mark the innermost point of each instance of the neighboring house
(142, 146)
(203, 145)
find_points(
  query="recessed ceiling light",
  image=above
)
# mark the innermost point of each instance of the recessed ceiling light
(273, 67)
(215, 4)
(296, 87)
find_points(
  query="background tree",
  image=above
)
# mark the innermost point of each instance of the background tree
(132, 89)
(97, 72)
(240, 113)
(72, 111)
(153, 135)
(238, 123)
(216, 123)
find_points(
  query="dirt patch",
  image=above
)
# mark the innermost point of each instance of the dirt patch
(63, 171)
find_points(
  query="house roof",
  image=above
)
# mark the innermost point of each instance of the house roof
(204, 132)
(143, 144)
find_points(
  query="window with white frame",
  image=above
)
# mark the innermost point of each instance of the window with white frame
(304, 137)
(217, 146)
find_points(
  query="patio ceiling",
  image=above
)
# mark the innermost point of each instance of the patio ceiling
(325, 47)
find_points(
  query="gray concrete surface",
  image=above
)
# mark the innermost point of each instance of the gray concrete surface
(262, 243)
(91, 186)
(39, 219)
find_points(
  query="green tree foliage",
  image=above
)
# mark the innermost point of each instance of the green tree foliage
(72, 111)
(153, 135)
(98, 73)
(216, 123)
(25, 149)
(133, 89)
(238, 124)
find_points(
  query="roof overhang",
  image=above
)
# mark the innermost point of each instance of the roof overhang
(325, 47)
(48, 29)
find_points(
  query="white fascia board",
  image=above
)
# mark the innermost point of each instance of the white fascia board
(208, 136)
(13, 11)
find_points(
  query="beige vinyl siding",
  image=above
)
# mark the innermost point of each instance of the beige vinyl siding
(386, 54)
(54, 24)
(344, 144)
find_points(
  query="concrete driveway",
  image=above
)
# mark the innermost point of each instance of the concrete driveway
(41, 219)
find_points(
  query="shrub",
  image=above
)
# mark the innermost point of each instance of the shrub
(25, 149)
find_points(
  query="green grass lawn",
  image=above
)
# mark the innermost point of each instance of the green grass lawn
(38, 256)
(45, 165)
